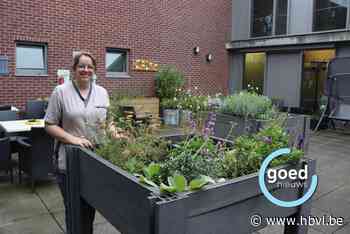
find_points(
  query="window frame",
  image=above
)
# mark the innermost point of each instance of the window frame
(32, 71)
(118, 74)
(274, 16)
(347, 20)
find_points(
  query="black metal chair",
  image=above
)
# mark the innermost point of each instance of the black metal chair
(6, 163)
(35, 155)
(5, 107)
(35, 109)
(6, 115)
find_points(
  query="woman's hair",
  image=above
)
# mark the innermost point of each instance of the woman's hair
(77, 58)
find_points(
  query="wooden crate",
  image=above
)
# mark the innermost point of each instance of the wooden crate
(145, 105)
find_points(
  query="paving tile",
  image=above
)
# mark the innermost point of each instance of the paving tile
(313, 231)
(14, 191)
(329, 181)
(275, 229)
(51, 196)
(105, 228)
(59, 216)
(15, 208)
(43, 224)
(324, 228)
(335, 203)
(344, 230)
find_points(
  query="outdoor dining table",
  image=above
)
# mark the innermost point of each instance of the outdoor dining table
(36, 162)
(18, 126)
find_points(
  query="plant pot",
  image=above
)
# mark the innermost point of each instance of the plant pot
(171, 117)
(134, 208)
(185, 117)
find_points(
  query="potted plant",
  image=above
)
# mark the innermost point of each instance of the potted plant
(171, 112)
(159, 198)
(168, 84)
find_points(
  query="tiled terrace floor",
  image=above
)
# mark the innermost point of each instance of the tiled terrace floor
(41, 212)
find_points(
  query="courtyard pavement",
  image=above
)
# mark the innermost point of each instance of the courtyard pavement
(42, 212)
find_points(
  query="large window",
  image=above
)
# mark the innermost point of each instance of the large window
(269, 17)
(31, 59)
(117, 63)
(330, 14)
(254, 72)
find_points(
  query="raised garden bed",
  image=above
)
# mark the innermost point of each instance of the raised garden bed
(134, 208)
(230, 126)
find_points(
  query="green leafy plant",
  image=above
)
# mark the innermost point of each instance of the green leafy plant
(170, 103)
(249, 105)
(193, 103)
(168, 82)
(191, 158)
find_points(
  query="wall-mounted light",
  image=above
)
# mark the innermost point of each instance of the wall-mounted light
(196, 50)
(209, 57)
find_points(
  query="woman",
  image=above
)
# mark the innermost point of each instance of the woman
(73, 108)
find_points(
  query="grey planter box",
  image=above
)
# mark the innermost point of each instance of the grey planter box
(171, 117)
(230, 127)
(134, 208)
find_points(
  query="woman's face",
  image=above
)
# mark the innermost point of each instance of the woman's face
(84, 70)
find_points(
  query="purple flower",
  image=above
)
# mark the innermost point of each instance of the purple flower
(193, 123)
(268, 140)
(208, 129)
(300, 144)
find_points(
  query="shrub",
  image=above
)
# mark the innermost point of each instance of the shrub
(168, 82)
(249, 105)
(170, 103)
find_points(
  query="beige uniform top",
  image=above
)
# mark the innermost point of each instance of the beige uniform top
(76, 115)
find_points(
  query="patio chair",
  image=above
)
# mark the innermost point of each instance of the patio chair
(6, 163)
(5, 107)
(6, 115)
(35, 109)
(35, 155)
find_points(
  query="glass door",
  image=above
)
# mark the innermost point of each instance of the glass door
(314, 78)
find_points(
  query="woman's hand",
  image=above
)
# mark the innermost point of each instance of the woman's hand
(81, 141)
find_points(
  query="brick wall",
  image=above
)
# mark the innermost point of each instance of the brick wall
(163, 31)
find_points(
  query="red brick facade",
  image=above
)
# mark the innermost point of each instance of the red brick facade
(163, 31)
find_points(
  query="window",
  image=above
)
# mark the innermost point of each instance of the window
(4, 65)
(330, 14)
(117, 63)
(269, 17)
(281, 17)
(31, 59)
(254, 72)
